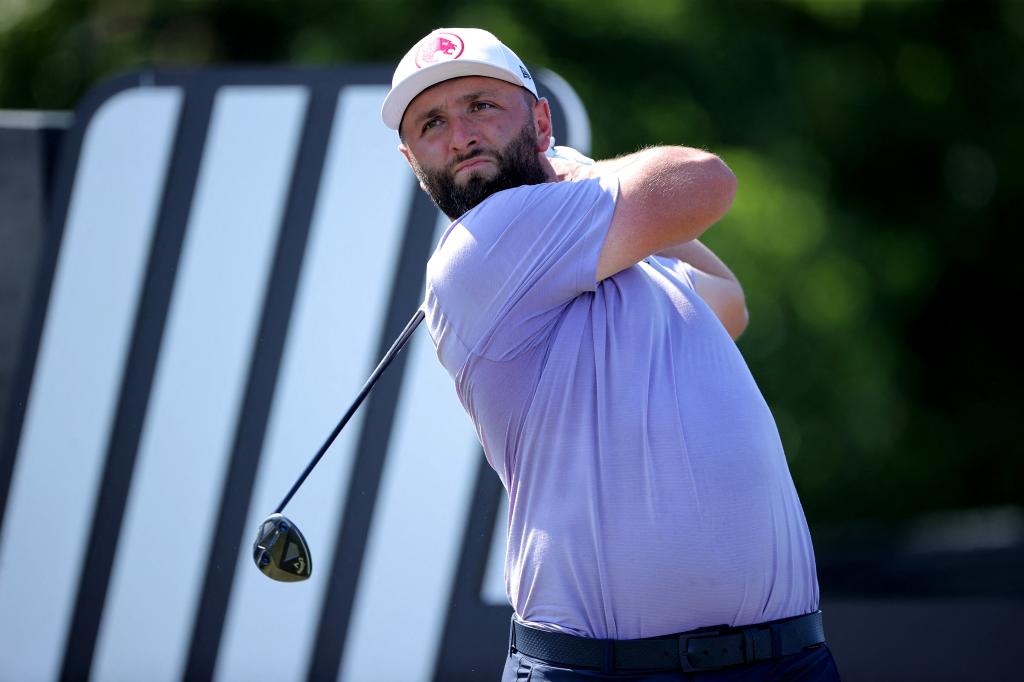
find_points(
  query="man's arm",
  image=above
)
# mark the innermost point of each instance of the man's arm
(667, 196)
(715, 283)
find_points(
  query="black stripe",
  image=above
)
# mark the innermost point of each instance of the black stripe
(373, 444)
(263, 375)
(57, 174)
(135, 388)
(470, 619)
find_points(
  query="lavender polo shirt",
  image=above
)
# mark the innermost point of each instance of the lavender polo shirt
(648, 488)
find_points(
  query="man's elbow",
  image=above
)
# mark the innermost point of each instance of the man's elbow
(721, 186)
(710, 187)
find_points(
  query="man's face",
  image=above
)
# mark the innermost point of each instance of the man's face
(468, 138)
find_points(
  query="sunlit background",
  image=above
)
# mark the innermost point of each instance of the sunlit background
(878, 149)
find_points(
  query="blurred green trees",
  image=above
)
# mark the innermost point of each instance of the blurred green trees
(877, 146)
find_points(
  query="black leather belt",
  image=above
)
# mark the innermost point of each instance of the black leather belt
(703, 649)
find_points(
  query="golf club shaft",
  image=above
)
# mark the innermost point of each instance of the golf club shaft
(393, 352)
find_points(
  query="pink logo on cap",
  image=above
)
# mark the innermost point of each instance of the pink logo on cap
(438, 47)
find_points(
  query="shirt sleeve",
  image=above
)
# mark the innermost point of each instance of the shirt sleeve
(505, 269)
(682, 270)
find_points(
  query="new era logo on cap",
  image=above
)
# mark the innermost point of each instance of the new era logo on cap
(437, 47)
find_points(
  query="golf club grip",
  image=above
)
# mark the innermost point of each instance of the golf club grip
(392, 353)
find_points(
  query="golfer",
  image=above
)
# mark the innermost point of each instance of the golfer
(654, 531)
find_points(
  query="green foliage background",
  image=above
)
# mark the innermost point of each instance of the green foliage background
(877, 146)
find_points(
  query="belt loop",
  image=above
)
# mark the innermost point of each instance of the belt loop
(512, 636)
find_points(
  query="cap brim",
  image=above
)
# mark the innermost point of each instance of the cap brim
(405, 92)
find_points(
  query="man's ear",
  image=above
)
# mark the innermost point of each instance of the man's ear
(406, 153)
(541, 111)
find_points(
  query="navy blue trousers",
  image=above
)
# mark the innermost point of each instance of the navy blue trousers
(814, 664)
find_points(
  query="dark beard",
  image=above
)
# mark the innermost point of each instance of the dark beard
(518, 164)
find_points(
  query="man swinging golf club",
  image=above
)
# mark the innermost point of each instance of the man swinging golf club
(654, 531)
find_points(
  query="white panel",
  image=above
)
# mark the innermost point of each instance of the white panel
(78, 374)
(413, 549)
(199, 384)
(331, 349)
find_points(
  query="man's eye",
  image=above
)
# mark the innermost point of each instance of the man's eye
(478, 106)
(432, 123)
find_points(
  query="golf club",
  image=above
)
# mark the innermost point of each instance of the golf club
(280, 550)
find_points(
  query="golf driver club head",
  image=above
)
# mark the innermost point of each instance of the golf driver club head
(280, 551)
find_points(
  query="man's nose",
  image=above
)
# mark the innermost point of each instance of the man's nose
(464, 134)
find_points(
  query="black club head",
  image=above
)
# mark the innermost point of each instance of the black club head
(280, 551)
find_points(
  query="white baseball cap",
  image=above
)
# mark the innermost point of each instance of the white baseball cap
(448, 53)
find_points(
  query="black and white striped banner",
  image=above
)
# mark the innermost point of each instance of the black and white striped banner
(233, 250)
